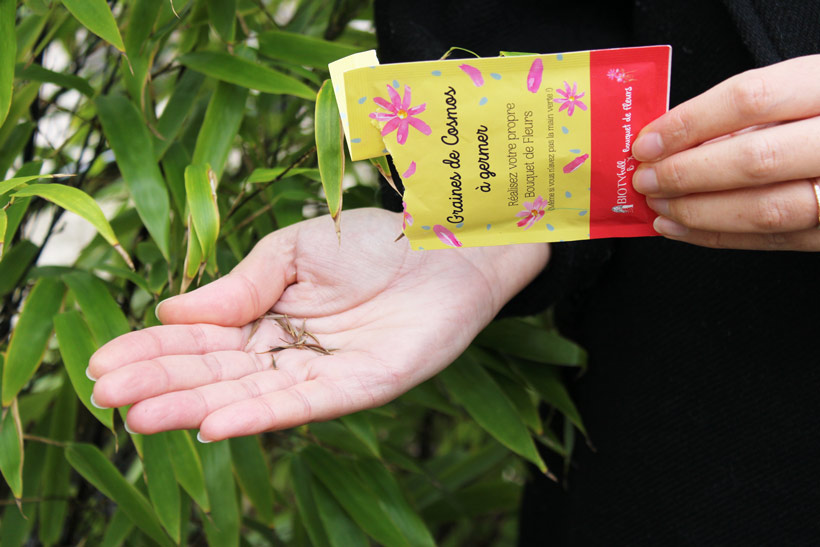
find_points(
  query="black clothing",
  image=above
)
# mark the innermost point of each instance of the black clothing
(702, 391)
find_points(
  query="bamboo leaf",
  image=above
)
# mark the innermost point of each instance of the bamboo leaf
(134, 150)
(546, 380)
(96, 16)
(200, 189)
(89, 462)
(16, 526)
(306, 503)
(57, 473)
(188, 467)
(79, 203)
(220, 126)
(76, 348)
(11, 449)
(223, 527)
(10, 184)
(21, 102)
(118, 530)
(17, 210)
(380, 163)
(223, 18)
(329, 150)
(131, 276)
(37, 73)
(473, 387)
(104, 315)
(523, 401)
(301, 49)
(522, 339)
(179, 105)
(193, 263)
(362, 503)
(14, 264)
(253, 475)
(375, 476)
(360, 426)
(246, 73)
(8, 47)
(4, 220)
(341, 530)
(273, 173)
(162, 486)
(30, 336)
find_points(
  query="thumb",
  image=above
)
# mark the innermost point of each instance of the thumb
(250, 290)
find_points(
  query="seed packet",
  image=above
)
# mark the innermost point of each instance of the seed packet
(510, 149)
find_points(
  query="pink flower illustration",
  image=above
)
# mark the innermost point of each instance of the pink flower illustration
(619, 75)
(474, 74)
(446, 236)
(399, 115)
(570, 98)
(534, 76)
(408, 218)
(411, 170)
(532, 213)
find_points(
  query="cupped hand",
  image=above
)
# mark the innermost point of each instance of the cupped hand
(370, 319)
(735, 167)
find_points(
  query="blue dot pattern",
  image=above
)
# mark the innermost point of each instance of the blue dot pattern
(550, 227)
(357, 140)
(483, 101)
(495, 75)
(396, 84)
(436, 73)
(362, 100)
(564, 130)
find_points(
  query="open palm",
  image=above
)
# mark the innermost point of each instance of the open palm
(369, 318)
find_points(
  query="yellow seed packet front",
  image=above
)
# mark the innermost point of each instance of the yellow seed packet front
(514, 149)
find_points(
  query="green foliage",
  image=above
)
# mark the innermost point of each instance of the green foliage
(181, 131)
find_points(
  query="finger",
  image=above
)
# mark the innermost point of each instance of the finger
(187, 409)
(313, 401)
(783, 207)
(251, 289)
(779, 153)
(155, 342)
(786, 91)
(145, 379)
(804, 240)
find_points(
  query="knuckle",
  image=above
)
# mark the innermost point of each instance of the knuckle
(760, 159)
(715, 240)
(772, 215)
(679, 129)
(775, 241)
(752, 95)
(671, 175)
(683, 211)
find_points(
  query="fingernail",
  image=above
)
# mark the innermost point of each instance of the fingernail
(659, 205)
(94, 403)
(645, 180)
(648, 147)
(156, 310)
(669, 227)
(88, 374)
(128, 429)
(200, 439)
